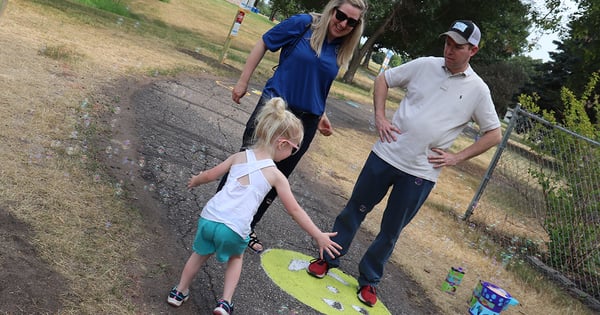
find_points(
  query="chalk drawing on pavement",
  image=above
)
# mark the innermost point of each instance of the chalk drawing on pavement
(334, 294)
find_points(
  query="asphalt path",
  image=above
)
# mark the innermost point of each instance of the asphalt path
(186, 125)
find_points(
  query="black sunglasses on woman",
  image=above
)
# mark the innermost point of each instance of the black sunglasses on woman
(341, 16)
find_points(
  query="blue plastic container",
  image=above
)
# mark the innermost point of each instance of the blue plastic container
(489, 299)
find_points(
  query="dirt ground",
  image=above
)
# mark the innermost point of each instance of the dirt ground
(165, 129)
(197, 130)
(28, 284)
(180, 126)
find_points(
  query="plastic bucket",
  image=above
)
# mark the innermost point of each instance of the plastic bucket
(489, 299)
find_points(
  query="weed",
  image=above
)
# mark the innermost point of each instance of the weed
(61, 53)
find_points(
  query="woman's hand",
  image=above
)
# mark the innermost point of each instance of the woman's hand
(239, 90)
(325, 126)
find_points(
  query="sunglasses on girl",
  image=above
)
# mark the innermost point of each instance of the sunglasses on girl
(341, 16)
(295, 147)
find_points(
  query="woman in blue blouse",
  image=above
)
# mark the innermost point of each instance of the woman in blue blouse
(313, 49)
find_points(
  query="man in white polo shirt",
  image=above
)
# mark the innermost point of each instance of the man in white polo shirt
(442, 96)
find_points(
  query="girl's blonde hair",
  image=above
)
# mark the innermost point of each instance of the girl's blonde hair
(320, 24)
(274, 121)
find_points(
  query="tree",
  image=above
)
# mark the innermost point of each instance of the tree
(395, 61)
(584, 44)
(505, 78)
(548, 80)
(367, 58)
(576, 58)
(378, 57)
(285, 8)
(413, 27)
(373, 34)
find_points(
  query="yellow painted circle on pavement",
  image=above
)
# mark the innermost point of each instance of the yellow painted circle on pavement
(336, 293)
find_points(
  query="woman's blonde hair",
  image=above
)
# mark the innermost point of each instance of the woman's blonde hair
(274, 121)
(320, 23)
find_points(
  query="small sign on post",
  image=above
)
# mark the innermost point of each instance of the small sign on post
(239, 18)
(384, 65)
(386, 61)
(235, 28)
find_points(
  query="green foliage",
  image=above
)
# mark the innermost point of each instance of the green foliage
(576, 58)
(282, 9)
(504, 79)
(584, 43)
(264, 7)
(412, 29)
(571, 187)
(114, 6)
(378, 57)
(395, 61)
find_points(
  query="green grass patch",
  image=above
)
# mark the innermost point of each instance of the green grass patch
(60, 52)
(116, 7)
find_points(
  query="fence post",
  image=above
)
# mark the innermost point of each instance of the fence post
(493, 162)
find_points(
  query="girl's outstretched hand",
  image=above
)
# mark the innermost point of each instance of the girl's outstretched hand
(326, 244)
(193, 182)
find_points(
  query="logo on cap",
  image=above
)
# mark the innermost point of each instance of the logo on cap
(464, 31)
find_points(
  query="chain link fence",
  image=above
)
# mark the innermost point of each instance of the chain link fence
(540, 198)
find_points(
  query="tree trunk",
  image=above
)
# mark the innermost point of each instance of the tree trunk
(368, 45)
(365, 63)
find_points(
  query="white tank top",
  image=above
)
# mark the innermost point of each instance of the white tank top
(235, 204)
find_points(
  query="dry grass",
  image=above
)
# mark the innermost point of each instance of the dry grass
(50, 179)
(436, 239)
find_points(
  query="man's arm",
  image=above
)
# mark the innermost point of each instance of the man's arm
(489, 139)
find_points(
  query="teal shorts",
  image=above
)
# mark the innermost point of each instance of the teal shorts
(217, 238)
